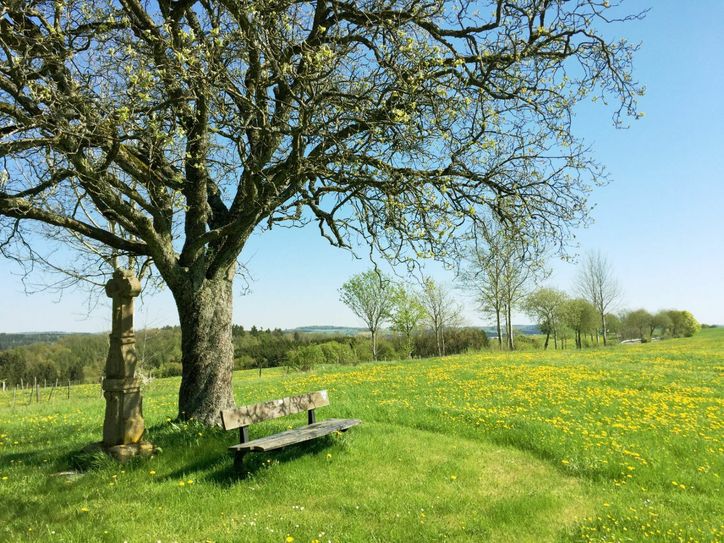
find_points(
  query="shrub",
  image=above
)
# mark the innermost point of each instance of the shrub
(170, 369)
(305, 358)
(386, 351)
(245, 362)
(457, 340)
(338, 353)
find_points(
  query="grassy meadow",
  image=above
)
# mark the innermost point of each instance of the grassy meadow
(617, 444)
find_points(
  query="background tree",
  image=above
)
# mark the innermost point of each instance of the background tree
(690, 325)
(597, 284)
(370, 296)
(683, 323)
(407, 314)
(662, 322)
(441, 310)
(520, 269)
(545, 305)
(613, 325)
(638, 323)
(483, 277)
(580, 316)
(498, 275)
(169, 132)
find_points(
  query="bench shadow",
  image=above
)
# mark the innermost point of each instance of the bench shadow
(256, 463)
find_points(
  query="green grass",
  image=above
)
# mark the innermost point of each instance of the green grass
(618, 444)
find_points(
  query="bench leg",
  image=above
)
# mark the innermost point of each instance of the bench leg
(239, 461)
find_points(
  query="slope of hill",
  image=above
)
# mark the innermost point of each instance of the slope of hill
(615, 444)
(10, 341)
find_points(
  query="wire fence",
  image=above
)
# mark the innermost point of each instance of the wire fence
(28, 393)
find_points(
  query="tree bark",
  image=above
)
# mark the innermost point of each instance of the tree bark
(374, 344)
(437, 340)
(511, 344)
(207, 350)
(500, 332)
(603, 327)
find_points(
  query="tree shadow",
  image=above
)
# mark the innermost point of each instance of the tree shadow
(26, 458)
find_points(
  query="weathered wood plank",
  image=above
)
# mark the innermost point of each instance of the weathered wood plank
(296, 435)
(251, 414)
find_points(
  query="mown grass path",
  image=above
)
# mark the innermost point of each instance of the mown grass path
(619, 444)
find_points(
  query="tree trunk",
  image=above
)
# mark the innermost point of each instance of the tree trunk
(374, 344)
(545, 345)
(500, 331)
(511, 344)
(207, 350)
(603, 328)
(437, 340)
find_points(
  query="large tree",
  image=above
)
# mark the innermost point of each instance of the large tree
(170, 130)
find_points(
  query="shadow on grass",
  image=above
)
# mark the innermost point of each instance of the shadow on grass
(220, 469)
(195, 451)
(26, 458)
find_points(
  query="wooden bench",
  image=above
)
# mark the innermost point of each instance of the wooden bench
(242, 417)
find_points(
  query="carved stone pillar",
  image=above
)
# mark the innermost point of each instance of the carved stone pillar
(123, 424)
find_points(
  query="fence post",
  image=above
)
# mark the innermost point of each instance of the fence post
(50, 396)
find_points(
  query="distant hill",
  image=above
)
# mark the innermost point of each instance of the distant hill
(329, 330)
(525, 329)
(9, 341)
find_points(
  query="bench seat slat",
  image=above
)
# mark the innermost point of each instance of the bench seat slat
(296, 435)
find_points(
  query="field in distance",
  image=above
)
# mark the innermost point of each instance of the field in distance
(617, 444)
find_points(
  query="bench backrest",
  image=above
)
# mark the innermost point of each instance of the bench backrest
(251, 414)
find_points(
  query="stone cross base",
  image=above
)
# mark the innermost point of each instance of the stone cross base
(128, 451)
(123, 453)
(123, 424)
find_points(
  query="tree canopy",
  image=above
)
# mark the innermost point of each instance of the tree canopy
(171, 130)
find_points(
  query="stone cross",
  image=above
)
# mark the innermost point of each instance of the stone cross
(123, 425)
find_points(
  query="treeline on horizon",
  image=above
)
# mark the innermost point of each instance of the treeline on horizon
(80, 358)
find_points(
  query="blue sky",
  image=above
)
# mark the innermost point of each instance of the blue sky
(660, 221)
